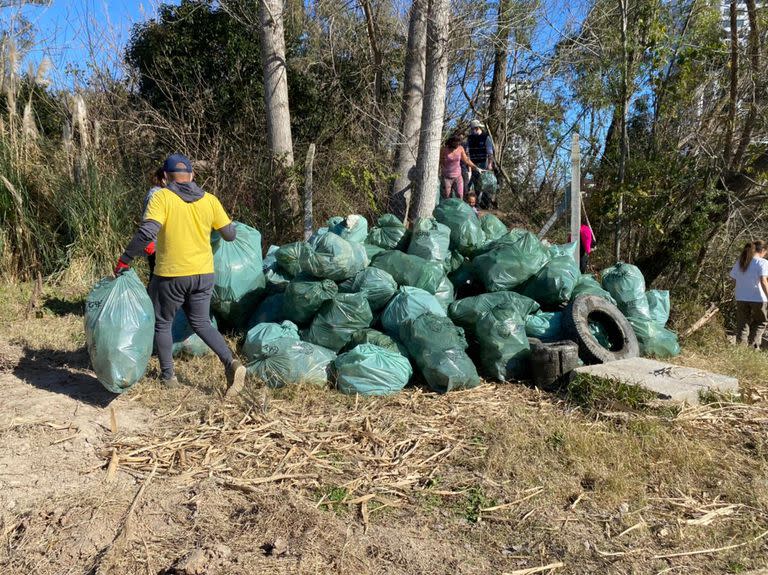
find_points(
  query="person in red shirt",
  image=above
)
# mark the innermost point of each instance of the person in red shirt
(586, 243)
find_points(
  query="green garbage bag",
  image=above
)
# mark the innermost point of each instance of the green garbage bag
(546, 326)
(658, 303)
(554, 283)
(588, 285)
(377, 285)
(655, 340)
(445, 293)
(372, 370)
(353, 228)
(269, 311)
(454, 262)
(464, 282)
(338, 319)
(509, 265)
(503, 343)
(430, 240)
(487, 184)
(238, 277)
(304, 298)
(468, 311)
(333, 258)
(374, 337)
(437, 347)
(289, 258)
(261, 335)
(277, 279)
(119, 330)
(408, 303)
(637, 308)
(185, 340)
(316, 235)
(511, 237)
(389, 233)
(624, 282)
(569, 249)
(601, 334)
(371, 251)
(287, 361)
(411, 270)
(466, 232)
(493, 227)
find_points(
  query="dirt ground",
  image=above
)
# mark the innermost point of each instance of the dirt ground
(500, 479)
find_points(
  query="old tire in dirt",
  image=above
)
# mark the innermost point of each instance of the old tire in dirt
(621, 337)
(551, 363)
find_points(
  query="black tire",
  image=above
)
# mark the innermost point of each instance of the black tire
(534, 342)
(550, 362)
(576, 327)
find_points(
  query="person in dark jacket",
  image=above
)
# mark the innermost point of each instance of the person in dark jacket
(180, 218)
(480, 151)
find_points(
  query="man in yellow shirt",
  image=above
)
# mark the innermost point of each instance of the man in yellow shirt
(180, 218)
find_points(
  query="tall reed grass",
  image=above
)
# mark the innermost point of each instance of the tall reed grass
(59, 203)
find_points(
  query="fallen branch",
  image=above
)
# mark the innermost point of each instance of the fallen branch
(702, 321)
(713, 550)
(532, 570)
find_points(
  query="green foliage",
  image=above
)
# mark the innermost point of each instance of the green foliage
(198, 47)
(474, 502)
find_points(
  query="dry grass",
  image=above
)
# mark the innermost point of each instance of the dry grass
(497, 479)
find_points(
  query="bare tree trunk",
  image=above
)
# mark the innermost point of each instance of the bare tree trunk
(624, 141)
(378, 79)
(427, 164)
(757, 85)
(276, 102)
(497, 105)
(410, 117)
(734, 86)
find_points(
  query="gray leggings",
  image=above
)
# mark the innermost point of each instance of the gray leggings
(193, 295)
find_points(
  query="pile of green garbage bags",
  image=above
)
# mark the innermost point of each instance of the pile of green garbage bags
(371, 308)
(647, 311)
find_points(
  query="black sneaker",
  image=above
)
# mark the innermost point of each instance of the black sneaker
(235, 379)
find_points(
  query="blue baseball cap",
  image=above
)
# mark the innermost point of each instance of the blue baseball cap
(177, 163)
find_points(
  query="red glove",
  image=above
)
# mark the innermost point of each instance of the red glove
(150, 249)
(121, 267)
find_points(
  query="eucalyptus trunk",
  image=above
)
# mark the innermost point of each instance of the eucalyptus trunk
(285, 198)
(410, 116)
(427, 164)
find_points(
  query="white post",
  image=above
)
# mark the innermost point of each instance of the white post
(308, 164)
(575, 193)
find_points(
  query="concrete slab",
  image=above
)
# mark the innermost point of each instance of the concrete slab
(664, 379)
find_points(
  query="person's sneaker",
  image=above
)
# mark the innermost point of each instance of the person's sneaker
(235, 379)
(171, 383)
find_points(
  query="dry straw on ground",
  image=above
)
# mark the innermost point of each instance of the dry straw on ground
(377, 452)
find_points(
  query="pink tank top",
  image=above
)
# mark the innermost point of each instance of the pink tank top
(452, 162)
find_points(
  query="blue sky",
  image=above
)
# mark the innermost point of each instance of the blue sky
(70, 33)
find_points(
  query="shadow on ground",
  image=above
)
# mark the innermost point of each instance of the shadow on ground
(62, 307)
(62, 372)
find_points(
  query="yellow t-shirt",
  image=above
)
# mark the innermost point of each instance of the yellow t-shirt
(183, 244)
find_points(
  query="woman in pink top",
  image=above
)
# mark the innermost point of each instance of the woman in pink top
(586, 243)
(451, 156)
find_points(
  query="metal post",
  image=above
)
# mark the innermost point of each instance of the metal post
(575, 193)
(308, 163)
